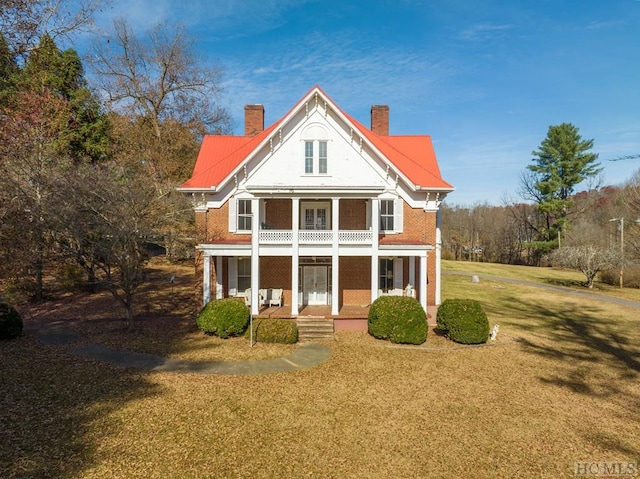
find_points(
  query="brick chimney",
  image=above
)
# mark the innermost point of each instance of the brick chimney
(253, 119)
(380, 120)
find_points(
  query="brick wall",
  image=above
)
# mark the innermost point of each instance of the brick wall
(355, 280)
(278, 212)
(353, 214)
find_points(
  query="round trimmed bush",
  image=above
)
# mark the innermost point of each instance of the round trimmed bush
(399, 319)
(463, 320)
(224, 317)
(10, 322)
(270, 330)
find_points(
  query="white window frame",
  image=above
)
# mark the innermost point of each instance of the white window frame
(244, 216)
(308, 157)
(385, 274)
(316, 157)
(387, 216)
(396, 215)
(322, 157)
(243, 272)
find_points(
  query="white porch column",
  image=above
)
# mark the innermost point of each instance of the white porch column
(375, 228)
(295, 258)
(206, 279)
(255, 256)
(412, 271)
(335, 257)
(423, 281)
(219, 276)
(438, 256)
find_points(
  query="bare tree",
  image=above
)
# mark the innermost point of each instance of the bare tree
(105, 222)
(159, 78)
(588, 259)
(23, 22)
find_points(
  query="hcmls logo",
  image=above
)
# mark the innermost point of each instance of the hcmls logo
(605, 469)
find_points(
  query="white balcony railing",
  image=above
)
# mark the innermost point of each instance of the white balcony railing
(315, 237)
(276, 237)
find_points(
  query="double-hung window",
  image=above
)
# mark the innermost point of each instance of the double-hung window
(390, 215)
(308, 157)
(385, 282)
(315, 157)
(322, 157)
(244, 274)
(386, 215)
(244, 215)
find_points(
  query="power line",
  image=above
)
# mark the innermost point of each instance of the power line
(625, 157)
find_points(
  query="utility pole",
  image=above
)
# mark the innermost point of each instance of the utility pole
(621, 220)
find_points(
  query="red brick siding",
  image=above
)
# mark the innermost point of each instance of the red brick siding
(355, 280)
(278, 214)
(275, 272)
(353, 214)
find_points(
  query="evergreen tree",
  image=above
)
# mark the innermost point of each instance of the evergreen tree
(8, 71)
(62, 73)
(562, 161)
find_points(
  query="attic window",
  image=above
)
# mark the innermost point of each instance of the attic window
(315, 157)
(316, 139)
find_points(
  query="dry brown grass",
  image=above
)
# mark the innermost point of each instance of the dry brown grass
(560, 385)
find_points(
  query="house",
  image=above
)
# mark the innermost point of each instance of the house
(319, 208)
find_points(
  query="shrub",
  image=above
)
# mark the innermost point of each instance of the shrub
(463, 320)
(224, 317)
(10, 322)
(399, 319)
(269, 330)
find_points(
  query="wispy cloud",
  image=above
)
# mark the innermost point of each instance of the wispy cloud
(376, 74)
(484, 31)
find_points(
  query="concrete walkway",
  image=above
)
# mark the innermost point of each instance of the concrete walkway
(306, 355)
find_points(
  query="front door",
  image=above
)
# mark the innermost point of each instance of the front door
(314, 286)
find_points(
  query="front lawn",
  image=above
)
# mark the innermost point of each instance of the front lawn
(560, 385)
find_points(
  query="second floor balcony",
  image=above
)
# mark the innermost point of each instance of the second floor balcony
(317, 237)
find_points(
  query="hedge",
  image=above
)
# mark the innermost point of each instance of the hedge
(224, 317)
(399, 319)
(463, 320)
(10, 322)
(270, 330)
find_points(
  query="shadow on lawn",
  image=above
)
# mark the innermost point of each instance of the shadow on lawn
(591, 355)
(55, 406)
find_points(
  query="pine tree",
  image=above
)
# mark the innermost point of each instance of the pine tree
(562, 162)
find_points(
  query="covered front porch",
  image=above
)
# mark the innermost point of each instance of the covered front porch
(349, 317)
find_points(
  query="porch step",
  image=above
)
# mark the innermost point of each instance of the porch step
(314, 328)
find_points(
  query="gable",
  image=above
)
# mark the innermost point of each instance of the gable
(347, 165)
(357, 157)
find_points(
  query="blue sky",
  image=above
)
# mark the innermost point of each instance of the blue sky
(484, 79)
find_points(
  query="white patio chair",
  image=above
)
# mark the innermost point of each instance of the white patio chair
(276, 297)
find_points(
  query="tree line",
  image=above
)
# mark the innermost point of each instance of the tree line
(90, 163)
(549, 222)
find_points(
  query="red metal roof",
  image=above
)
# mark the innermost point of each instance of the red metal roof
(413, 156)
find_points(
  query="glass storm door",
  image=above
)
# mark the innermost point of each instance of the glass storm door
(314, 285)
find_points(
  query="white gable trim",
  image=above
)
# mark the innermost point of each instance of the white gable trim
(317, 100)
